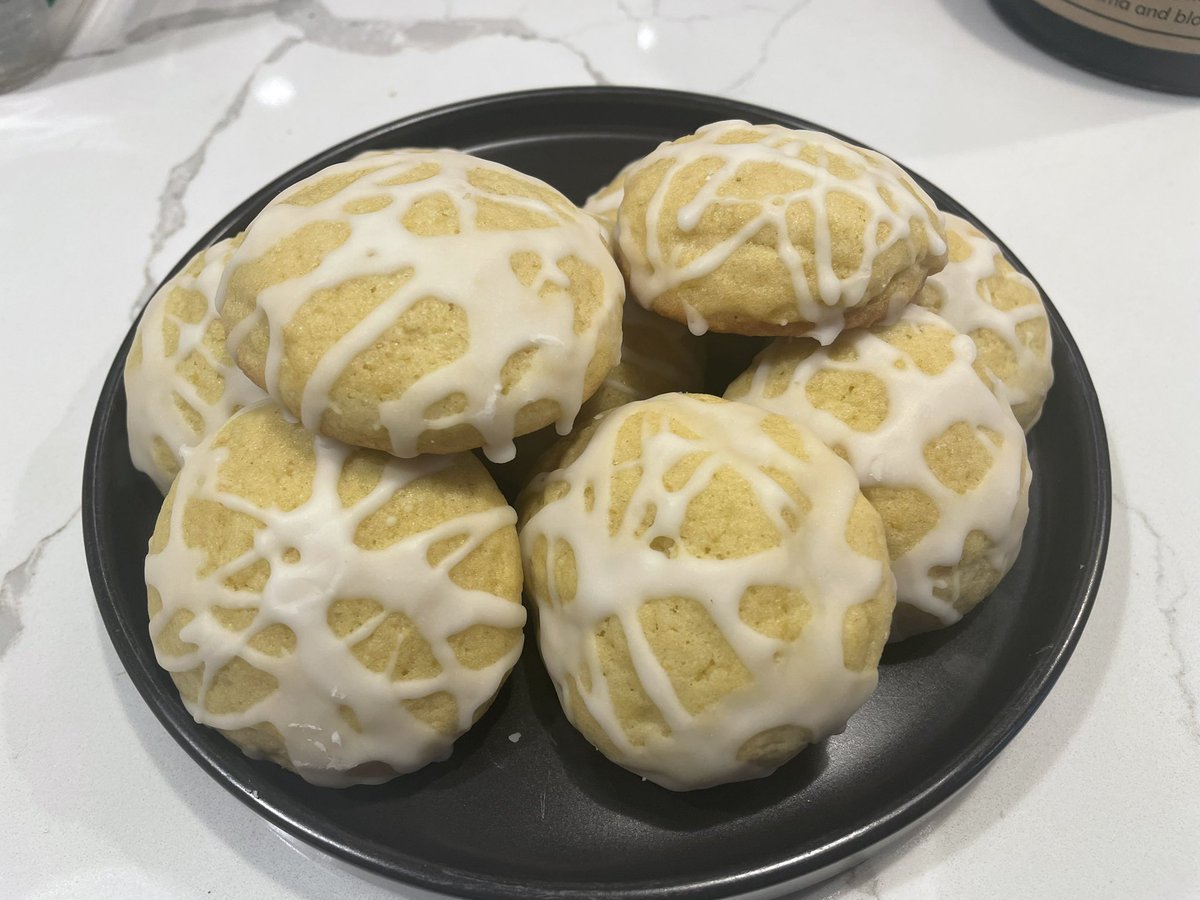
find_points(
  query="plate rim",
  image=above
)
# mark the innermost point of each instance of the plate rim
(919, 801)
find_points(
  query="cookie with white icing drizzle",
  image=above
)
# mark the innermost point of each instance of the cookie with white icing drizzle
(983, 296)
(180, 384)
(765, 230)
(603, 204)
(936, 452)
(424, 301)
(339, 611)
(712, 589)
(658, 356)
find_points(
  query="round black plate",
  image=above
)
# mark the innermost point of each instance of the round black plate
(548, 816)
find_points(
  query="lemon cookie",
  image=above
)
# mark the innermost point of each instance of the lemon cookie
(180, 384)
(1001, 310)
(658, 356)
(764, 230)
(337, 610)
(712, 588)
(603, 204)
(936, 452)
(424, 301)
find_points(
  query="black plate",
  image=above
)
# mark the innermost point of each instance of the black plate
(547, 816)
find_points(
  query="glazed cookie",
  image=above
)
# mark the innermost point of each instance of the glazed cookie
(712, 589)
(339, 611)
(180, 384)
(424, 301)
(763, 230)
(936, 452)
(657, 356)
(603, 204)
(984, 297)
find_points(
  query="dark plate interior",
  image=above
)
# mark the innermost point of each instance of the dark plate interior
(547, 815)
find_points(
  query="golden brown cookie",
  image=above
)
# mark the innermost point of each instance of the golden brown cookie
(341, 612)
(658, 356)
(604, 204)
(1001, 311)
(424, 301)
(712, 589)
(940, 457)
(764, 230)
(180, 384)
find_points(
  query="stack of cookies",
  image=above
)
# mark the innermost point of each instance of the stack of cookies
(330, 399)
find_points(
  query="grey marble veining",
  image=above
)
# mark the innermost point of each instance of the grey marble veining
(319, 26)
(15, 585)
(172, 214)
(1170, 589)
(315, 25)
(439, 34)
(768, 42)
(173, 23)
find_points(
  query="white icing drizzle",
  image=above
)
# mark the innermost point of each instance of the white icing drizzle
(653, 270)
(321, 674)
(804, 682)
(961, 296)
(920, 407)
(470, 269)
(151, 386)
(696, 323)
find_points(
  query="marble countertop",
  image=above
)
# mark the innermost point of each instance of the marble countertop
(161, 116)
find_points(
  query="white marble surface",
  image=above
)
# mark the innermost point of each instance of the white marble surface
(164, 114)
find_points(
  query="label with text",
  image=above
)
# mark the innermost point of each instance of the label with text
(1160, 26)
